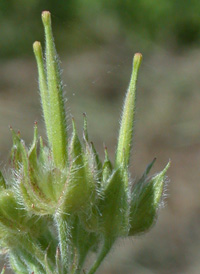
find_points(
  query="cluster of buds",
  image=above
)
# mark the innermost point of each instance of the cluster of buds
(60, 202)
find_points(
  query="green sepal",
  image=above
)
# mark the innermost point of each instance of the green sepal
(15, 156)
(32, 153)
(145, 202)
(14, 217)
(93, 169)
(91, 164)
(34, 198)
(97, 162)
(42, 153)
(29, 258)
(30, 250)
(78, 189)
(114, 220)
(91, 156)
(91, 218)
(107, 168)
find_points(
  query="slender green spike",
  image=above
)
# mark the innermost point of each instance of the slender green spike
(42, 153)
(127, 121)
(24, 155)
(37, 48)
(98, 162)
(58, 139)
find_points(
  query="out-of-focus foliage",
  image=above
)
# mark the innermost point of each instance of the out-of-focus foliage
(77, 22)
(19, 22)
(160, 20)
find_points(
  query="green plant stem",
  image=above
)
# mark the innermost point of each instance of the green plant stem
(104, 251)
(63, 235)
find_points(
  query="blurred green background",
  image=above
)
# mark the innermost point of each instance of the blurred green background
(96, 41)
